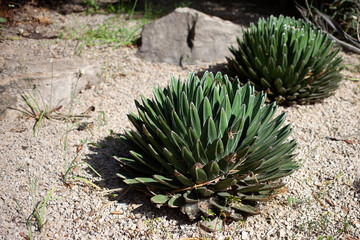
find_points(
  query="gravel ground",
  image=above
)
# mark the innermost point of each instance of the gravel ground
(322, 198)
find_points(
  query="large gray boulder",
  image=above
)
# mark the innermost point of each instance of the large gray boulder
(51, 83)
(187, 36)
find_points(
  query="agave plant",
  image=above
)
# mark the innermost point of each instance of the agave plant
(207, 146)
(291, 60)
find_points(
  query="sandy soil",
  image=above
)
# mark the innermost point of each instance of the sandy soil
(322, 198)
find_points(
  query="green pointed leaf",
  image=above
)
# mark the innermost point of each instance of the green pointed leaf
(224, 185)
(219, 149)
(211, 151)
(195, 120)
(242, 153)
(159, 158)
(209, 132)
(265, 83)
(151, 182)
(185, 110)
(201, 152)
(190, 197)
(193, 136)
(205, 191)
(236, 216)
(178, 125)
(198, 174)
(183, 179)
(207, 110)
(212, 170)
(134, 183)
(166, 181)
(224, 194)
(223, 124)
(135, 120)
(174, 160)
(134, 164)
(159, 199)
(199, 96)
(256, 198)
(244, 208)
(236, 104)
(223, 209)
(249, 189)
(278, 83)
(187, 155)
(180, 143)
(150, 163)
(169, 105)
(176, 201)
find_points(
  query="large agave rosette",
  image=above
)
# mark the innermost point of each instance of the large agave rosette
(207, 146)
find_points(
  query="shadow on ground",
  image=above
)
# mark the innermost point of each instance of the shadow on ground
(357, 186)
(102, 160)
(221, 67)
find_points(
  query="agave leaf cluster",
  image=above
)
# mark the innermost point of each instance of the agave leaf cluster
(207, 146)
(291, 60)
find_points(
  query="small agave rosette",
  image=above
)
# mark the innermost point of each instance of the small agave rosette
(291, 60)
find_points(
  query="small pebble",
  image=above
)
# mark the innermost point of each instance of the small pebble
(140, 224)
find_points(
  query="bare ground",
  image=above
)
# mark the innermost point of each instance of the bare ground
(322, 198)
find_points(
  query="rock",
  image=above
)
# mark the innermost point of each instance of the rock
(244, 235)
(282, 233)
(140, 225)
(133, 226)
(49, 83)
(187, 36)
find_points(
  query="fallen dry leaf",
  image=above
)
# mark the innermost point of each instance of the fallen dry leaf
(78, 149)
(25, 236)
(44, 21)
(18, 130)
(117, 212)
(348, 141)
(282, 190)
(347, 184)
(351, 238)
(329, 202)
(345, 209)
(56, 109)
(68, 185)
(75, 169)
(193, 238)
(319, 201)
